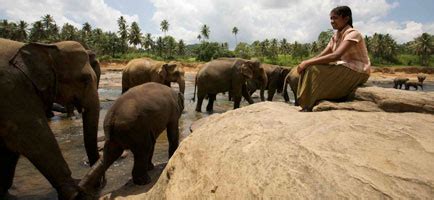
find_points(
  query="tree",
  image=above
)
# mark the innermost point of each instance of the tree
(424, 48)
(199, 37)
(51, 30)
(164, 26)
(324, 39)
(122, 24)
(36, 32)
(284, 47)
(135, 34)
(205, 31)
(69, 32)
(159, 47)
(22, 31)
(169, 46)
(148, 43)
(383, 48)
(235, 32)
(243, 50)
(273, 49)
(180, 48)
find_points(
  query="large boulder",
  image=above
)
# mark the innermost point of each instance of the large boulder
(270, 150)
(372, 99)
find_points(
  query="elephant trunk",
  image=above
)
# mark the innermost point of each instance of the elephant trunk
(93, 177)
(285, 88)
(181, 83)
(263, 86)
(90, 125)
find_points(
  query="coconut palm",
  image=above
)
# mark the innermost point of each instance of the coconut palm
(135, 34)
(37, 32)
(22, 31)
(423, 47)
(199, 37)
(181, 48)
(235, 32)
(148, 43)
(123, 33)
(164, 26)
(205, 31)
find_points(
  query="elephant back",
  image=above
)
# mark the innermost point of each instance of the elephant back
(8, 50)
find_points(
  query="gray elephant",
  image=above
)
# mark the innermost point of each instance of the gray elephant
(275, 80)
(292, 79)
(398, 82)
(134, 122)
(419, 83)
(32, 77)
(226, 74)
(143, 70)
(69, 109)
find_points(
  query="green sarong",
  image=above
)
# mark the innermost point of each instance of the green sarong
(327, 82)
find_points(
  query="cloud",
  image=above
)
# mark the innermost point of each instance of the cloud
(96, 12)
(294, 20)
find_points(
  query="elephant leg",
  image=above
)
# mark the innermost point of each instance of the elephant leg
(295, 97)
(112, 151)
(173, 137)
(44, 153)
(246, 94)
(271, 94)
(70, 110)
(200, 98)
(141, 159)
(237, 100)
(211, 99)
(8, 162)
(150, 164)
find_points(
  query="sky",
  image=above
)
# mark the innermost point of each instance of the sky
(295, 20)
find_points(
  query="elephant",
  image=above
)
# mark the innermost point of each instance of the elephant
(398, 82)
(226, 74)
(415, 84)
(143, 70)
(32, 77)
(276, 78)
(134, 122)
(94, 63)
(292, 79)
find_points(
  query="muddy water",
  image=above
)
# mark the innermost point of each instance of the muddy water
(30, 184)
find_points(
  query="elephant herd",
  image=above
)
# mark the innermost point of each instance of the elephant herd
(35, 76)
(398, 82)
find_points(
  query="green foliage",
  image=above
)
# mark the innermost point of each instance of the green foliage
(207, 51)
(243, 50)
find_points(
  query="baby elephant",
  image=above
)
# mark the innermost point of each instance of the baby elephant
(398, 82)
(134, 122)
(415, 84)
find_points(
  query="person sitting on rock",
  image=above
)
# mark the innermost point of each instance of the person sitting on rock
(339, 69)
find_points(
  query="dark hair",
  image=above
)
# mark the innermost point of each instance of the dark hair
(344, 11)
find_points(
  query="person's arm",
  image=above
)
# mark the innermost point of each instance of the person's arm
(327, 58)
(326, 51)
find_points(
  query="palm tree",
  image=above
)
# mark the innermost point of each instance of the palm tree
(22, 31)
(36, 32)
(235, 32)
(164, 26)
(135, 34)
(424, 47)
(147, 42)
(122, 24)
(181, 48)
(205, 31)
(199, 37)
(68, 32)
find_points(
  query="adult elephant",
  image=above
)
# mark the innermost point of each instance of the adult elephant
(275, 80)
(134, 122)
(32, 77)
(94, 63)
(226, 74)
(292, 79)
(143, 70)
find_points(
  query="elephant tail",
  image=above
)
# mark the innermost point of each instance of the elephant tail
(194, 93)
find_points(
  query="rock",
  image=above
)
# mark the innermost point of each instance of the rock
(369, 99)
(275, 152)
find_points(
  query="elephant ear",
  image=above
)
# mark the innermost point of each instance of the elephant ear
(36, 62)
(246, 69)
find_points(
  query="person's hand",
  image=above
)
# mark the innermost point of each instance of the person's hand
(301, 67)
